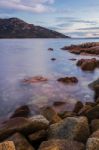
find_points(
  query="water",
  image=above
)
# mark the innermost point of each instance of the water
(20, 58)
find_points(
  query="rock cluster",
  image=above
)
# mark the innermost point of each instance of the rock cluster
(88, 64)
(76, 130)
(85, 48)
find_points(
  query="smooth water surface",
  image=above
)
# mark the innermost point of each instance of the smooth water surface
(21, 58)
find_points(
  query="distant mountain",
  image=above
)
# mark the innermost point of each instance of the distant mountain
(16, 28)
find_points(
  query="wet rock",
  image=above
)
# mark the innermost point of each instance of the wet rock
(78, 106)
(22, 111)
(85, 48)
(38, 136)
(50, 49)
(35, 79)
(68, 80)
(20, 142)
(72, 128)
(7, 145)
(66, 114)
(50, 114)
(23, 125)
(95, 125)
(87, 64)
(53, 59)
(93, 113)
(92, 144)
(92, 104)
(84, 110)
(61, 145)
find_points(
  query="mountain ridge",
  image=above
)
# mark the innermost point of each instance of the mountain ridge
(17, 28)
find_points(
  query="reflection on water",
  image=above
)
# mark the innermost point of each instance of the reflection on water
(20, 58)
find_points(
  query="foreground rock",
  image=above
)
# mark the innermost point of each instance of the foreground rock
(92, 144)
(8, 145)
(88, 64)
(68, 80)
(95, 125)
(93, 113)
(85, 48)
(38, 136)
(35, 79)
(50, 115)
(72, 128)
(20, 142)
(23, 125)
(61, 145)
(95, 86)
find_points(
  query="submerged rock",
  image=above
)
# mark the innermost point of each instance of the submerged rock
(35, 79)
(7, 145)
(68, 80)
(23, 125)
(61, 145)
(20, 142)
(50, 49)
(71, 128)
(53, 59)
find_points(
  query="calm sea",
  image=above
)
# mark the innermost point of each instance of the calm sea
(21, 58)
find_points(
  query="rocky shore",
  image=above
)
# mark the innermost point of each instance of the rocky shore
(49, 130)
(85, 48)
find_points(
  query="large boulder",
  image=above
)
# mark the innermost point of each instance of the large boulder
(23, 125)
(95, 86)
(92, 144)
(95, 134)
(50, 114)
(61, 145)
(20, 142)
(7, 145)
(88, 64)
(73, 128)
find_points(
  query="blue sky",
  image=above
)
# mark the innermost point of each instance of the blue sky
(76, 18)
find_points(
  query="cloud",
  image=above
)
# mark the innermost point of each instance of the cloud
(89, 28)
(35, 6)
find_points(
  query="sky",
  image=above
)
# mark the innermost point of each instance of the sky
(75, 18)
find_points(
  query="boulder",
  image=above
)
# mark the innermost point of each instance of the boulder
(95, 125)
(92, 144)
(7, 145)
(84, 110)
(50, 114)
(38, 136)
(22, 111)
(66, 114)
(20, 142)
(61, 145)
(87, 64)
(23, 125)
(73, 128)
(95, 134)
(68, 80)
(78, 106)
(95, 86)
(93, 113)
